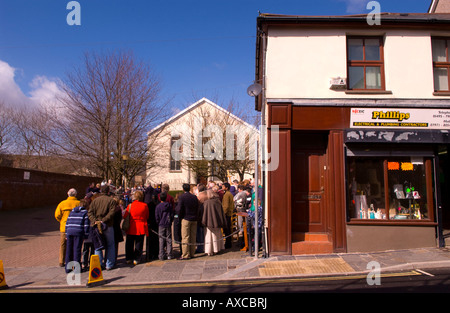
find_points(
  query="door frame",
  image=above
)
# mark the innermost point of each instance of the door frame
(317, 147)
(289, 119)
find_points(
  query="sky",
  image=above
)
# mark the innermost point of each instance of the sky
(197, 48)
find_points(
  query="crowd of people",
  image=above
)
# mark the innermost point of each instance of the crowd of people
(198, 219)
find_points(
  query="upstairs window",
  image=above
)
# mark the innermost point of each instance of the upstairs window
(441, 64)
(365, 63)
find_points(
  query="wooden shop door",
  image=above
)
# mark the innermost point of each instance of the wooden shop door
(308, 187)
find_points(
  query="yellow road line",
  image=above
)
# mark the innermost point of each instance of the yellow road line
(256, 282)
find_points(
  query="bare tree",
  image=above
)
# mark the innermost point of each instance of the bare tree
(6, 127)
(20, 140)
(109, 104)
(224, 140)
(238, 142)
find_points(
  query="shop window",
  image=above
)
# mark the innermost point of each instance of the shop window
(407, 189)
(441, 64)
(367, 192)
(390, 189)
(365, 63)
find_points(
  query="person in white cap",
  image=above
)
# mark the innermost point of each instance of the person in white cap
(61, 214)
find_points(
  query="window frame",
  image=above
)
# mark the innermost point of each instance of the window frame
(429, 177)
(445, 65)
(176, 168)
(366, 63)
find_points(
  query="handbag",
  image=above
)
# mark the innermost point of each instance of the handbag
(126, 220)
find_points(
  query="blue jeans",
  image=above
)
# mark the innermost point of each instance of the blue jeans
(110, 251)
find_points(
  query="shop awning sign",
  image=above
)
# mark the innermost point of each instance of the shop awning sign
(400, 118)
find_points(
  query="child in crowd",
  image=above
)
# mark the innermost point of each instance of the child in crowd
(164, 217)
(77, 229)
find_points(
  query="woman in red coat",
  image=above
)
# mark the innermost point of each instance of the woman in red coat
(134, 244)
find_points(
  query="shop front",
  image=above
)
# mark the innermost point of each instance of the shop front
(356, 179)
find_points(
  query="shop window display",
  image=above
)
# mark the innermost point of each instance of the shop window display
(407, 189)
(367, 193)
(394, 188)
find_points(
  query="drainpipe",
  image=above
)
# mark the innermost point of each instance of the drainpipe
(256, 226)
(438, 209)
(262, 141)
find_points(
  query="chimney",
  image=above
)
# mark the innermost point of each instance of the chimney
(439, 6)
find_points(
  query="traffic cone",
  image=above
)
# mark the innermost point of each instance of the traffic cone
(95, 272)
(3, 284)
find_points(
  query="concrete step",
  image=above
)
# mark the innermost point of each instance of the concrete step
(311, 243)
(310, 237)
(312, 247)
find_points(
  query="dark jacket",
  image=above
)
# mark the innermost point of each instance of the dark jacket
(102, 209)
(213, 216)
(78, 222)
(151, 199)
(164, 214)
(187, 207)
(150, 196)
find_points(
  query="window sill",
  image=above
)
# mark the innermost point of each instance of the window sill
(391, 222)
(441, 93)
(368, 92)
(174, 171)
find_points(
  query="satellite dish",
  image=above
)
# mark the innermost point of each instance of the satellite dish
(254, 90)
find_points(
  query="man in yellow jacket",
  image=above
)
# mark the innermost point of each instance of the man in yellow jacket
(61, 214)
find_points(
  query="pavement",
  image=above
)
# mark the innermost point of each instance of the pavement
(29, 245)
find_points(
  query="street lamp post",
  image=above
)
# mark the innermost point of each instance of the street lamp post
(124, 178)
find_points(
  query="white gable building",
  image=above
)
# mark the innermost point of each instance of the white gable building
(201, 136)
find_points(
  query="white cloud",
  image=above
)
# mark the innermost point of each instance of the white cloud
(10, 92)
(356, 6)
(43, 90)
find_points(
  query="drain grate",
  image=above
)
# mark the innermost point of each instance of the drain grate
(310, 266)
